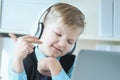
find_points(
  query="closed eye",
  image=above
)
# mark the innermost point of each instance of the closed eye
(58, 34)
(70, 42)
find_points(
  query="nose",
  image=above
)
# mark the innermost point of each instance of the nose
(62, 42)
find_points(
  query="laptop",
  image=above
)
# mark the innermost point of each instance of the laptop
(97, 65)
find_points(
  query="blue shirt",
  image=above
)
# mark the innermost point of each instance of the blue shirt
(22, 76)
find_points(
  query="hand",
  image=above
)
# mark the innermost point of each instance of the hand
(23, 47)
(49, 66)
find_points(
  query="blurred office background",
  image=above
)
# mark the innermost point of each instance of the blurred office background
(102, 30)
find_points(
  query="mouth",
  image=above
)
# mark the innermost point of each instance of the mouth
(57, 49)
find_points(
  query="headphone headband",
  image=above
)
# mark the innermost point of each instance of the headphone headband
(44, 14)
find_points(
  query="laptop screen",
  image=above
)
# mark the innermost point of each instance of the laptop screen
(97, 65)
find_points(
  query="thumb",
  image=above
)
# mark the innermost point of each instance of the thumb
(13, 36)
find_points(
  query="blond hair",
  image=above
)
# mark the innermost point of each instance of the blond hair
(70, 14)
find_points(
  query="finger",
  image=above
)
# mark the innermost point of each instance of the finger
(28, 48)
(13, 36)
(32, 39)
(30, 45)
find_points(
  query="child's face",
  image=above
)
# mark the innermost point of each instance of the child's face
(58, 38)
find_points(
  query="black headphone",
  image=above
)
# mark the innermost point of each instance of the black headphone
(41, 27)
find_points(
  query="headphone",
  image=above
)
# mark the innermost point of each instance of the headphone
(40, 27)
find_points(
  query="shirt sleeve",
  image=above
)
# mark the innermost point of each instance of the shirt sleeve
(15, 76)
(62, 75)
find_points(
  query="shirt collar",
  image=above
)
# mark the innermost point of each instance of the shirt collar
(39, 54)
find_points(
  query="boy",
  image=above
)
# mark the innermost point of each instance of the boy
(63, 23)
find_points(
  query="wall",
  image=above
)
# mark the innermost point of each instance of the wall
(91, 44)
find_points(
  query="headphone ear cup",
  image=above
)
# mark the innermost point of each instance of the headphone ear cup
(39, 30)
(73, 49)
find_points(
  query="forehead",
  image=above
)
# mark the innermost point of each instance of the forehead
(59, 26)
(71, 31)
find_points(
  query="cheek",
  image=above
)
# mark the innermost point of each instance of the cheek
(46, 37)
(49, 40)
(68, 49)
